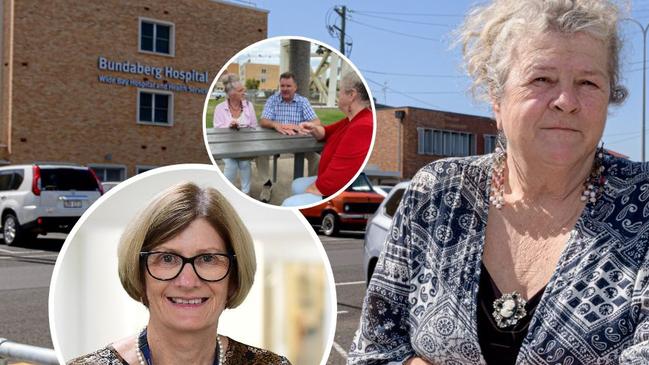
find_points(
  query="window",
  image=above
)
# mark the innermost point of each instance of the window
(109, 173)
(154, 107)
(444, 143)
(10, 179)
(263, 70)
(143, 168)
(361, 184)
(61, 178)
(392, 204)
(156, 37)
(489, 143)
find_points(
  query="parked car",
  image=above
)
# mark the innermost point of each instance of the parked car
(378, 227)
(107, 185)
(383, 189)
(41, 198)
(349, 210)
(217, 94)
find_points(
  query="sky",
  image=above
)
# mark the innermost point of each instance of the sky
(267, 52)
(404, 50)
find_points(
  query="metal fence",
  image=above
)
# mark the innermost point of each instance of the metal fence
(19, 352)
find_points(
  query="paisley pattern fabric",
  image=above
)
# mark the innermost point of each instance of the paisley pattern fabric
(422, 299)
(236, 354)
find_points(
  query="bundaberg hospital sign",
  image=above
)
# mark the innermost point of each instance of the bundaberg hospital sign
(158, 73)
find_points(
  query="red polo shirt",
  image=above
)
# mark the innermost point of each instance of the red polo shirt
(346, 145)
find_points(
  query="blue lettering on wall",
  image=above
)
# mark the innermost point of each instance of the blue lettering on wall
(152, 85)
(148, 70)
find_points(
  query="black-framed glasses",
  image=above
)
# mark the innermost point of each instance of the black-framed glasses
(207, 266)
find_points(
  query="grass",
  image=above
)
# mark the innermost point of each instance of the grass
(326, 115)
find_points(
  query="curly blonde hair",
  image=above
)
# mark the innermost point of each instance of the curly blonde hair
(491, 32)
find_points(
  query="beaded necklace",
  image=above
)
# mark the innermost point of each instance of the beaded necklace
(144, 353)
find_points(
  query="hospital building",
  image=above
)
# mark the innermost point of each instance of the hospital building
(115, 85)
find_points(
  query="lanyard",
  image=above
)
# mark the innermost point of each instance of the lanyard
(143, 344)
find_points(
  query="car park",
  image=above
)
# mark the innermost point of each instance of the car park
(348, 210)
(42, 198)
(378, 227)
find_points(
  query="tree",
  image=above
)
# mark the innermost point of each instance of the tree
(252, 84)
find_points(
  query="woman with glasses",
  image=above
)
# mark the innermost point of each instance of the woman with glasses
(186, 257)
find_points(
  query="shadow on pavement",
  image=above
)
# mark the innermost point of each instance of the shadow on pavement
(43, 243)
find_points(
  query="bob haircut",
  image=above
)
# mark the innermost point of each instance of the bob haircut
(490, 34)
(168, 214)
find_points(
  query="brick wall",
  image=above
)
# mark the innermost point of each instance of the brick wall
(384, 154)
(387, 149)
(61, 112)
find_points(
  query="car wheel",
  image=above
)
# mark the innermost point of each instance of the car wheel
(330, 224)
(11, 229)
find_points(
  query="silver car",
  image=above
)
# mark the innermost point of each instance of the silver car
(41, 198)
(378, 226)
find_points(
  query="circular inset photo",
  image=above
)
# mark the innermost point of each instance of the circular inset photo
(290, 121)
(174, 266)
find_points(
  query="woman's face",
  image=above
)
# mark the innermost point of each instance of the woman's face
(238, 94)
(345, 98)
(555, 99)
(169, 301)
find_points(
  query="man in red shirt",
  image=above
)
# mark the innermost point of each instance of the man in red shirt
(347, 143)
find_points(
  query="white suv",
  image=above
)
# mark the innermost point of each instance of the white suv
(41, 198)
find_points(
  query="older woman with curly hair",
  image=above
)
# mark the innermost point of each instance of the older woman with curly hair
(536, 254)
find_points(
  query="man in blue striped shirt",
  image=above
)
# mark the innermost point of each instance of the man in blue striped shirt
(283, 112)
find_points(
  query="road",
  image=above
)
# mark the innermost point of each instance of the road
(346, 256)
(25, 273)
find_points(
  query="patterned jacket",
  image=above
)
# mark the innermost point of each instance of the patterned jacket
(422, 299)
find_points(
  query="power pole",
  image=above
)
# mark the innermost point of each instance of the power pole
(298, 62)
(343, 16)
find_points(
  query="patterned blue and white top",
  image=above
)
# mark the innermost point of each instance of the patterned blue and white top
(422, 299)
(295, 111)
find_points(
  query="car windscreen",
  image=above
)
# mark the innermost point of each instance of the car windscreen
(67, 179)
(361, 185)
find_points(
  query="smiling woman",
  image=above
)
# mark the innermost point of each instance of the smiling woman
(187, 257)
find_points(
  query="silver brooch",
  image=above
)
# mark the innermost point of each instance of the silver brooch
(508, 309)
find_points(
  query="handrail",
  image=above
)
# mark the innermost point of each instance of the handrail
(18, 351)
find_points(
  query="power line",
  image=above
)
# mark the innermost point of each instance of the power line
(401, 20)
(623, 140)
(339, 32)
(412, 75)
(402, 93)
(392, 31)
(411, 14)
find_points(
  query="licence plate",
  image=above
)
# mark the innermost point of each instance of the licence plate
(72, 203)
